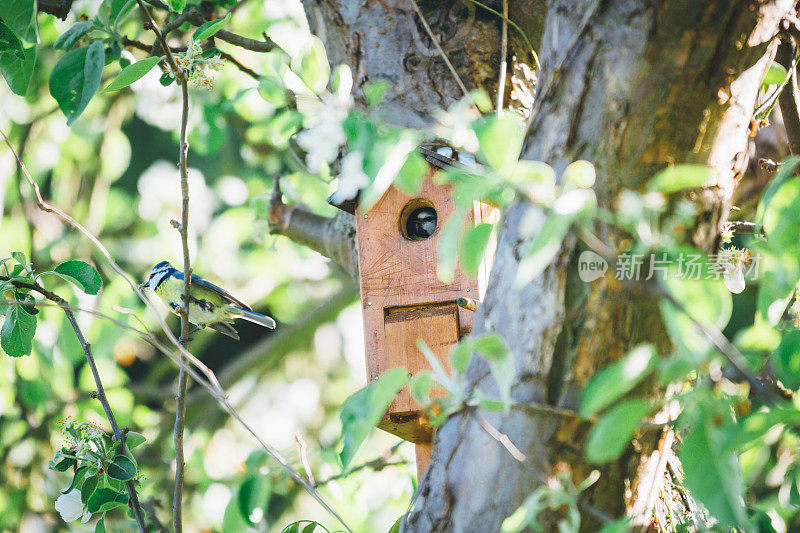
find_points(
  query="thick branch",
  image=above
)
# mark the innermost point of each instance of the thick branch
(334, 237)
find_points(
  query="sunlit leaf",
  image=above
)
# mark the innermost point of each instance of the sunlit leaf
(679, 177)
(412, 173)
(312, 65)
(785, 171)
(579, 174)
(374, 91)
(74, 34)
(787, 359)
(363, 410)
(20, 17)
(121, 468)
(76, 77)
(105, 499)
(776, 74)
(472, 248)
(613, 431)
(19, 327)
(131, 73)
(210, 28)
(81, 274)
(712, 475)
(494, 349)
(254, 494)
(500, 139)
(16, 62)
(133, 439)
(616, 379)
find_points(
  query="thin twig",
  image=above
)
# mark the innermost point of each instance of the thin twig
(119, 435)
(502, 438)
(501, 78)
(183, 311)
(304, 458)
(439, 48)
(376, 465)
(504, 16)
(788, 97)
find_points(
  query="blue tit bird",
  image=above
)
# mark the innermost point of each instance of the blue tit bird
(209, 305)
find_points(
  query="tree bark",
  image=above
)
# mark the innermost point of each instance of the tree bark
(632, 86)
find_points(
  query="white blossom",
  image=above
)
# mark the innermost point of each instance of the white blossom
(70, 507)
(323, 134)
(352, 178)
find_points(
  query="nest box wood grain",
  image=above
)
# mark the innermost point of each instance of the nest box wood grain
(404, 300)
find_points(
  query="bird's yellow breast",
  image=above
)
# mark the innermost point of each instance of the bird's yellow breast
(205, 307)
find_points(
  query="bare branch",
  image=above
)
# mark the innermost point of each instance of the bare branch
(788, 99)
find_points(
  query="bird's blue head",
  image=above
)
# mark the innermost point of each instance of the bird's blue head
(158, 274)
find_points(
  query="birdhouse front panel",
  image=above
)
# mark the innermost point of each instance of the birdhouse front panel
(402, 297)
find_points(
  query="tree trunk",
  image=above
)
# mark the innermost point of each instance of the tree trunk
(630, 85)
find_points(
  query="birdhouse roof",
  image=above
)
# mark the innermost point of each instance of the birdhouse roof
(436, 154)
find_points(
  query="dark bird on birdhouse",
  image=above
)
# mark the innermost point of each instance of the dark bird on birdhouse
(421, 223)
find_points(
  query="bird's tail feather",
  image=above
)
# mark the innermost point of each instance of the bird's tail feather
(252, 316)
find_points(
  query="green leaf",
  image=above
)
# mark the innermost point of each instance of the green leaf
(272, 89)
(312, 65)
(209, 29)
(20, 16)
(76, 478)
(122, 468)
(396, 526)
(472, 248)
(618, 378)
(133, 439)
(712, 475)
(75, 79)
(500, 139)
(780, 218)
(785, 171)
(105, 499)
(580, 174)
(74, 34)
(421, 385)
(254, 494)
(100, 527)
(131, 73)
(494, 349)
(756, 425)
(19, 327)
(22, 259)
(613, 431)
(374, 91)
(544, 249)
(787, 359)
(89, 486)
(679, 177)
(412, 173)
(704, 301)
(81, 274)
(776, 74)
(461, 354)
(16, 63)
(363, 410)
(59, 463)
(178, 6)
(447, 247)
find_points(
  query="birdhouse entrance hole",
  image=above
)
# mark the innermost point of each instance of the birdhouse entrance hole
(418, 219)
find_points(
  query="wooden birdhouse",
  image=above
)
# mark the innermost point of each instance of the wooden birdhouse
(401, 295)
